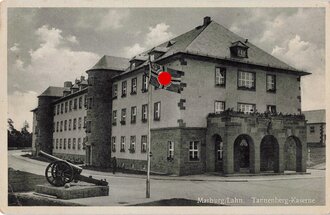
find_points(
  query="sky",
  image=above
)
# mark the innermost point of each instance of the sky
(47, 46)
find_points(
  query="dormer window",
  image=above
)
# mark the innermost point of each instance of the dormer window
(133, 65)
(152, 57)
(239, 49)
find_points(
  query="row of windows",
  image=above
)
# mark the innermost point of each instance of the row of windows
(144, 114)
(220, 106)
(245, 80)
(67, 124)
(134, 86)
(132, 144)
(77, 143)
(70, 105)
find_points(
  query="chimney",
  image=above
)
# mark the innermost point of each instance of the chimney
(207, 20)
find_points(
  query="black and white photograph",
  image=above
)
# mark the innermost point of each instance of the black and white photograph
(164, 105)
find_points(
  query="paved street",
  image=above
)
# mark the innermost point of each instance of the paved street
(256, 190)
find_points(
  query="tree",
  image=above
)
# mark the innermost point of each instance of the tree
(17, 138)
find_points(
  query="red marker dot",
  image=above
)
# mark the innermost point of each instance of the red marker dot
(164, 78)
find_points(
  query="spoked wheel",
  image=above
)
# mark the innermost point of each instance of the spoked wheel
(58, 173)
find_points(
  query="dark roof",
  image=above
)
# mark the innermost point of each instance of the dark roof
(111, 63)
(315, 116)
(53, 91)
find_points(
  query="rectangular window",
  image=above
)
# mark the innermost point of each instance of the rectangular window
(144, 113)
(85, 118)
(246, 80)
(271, 83)
(220, 76)
(56, 143)
(58, 109)
(74, 143)
(64, 143)
(144, 143)
(114, 118)
(113, 144)
(193, 151)
(36, 128)
(69, 143)
(133, 114)
(61, 127)
(219, 106)
(65, 125)
(219, 151)
(123, 89)
(133, 86)
(66, 107)
(115, 91)
(79, 123)
(62, 107)
(90, 103)
(170, 150)
(157, 111)
(80, 102)
(74, 124)
(312, 129)
(57, 126)
(75, 104)
(85, 102)
(88, 126)
(123, 116)
(122, 144)
(246, 108)
(70, 105)
(60, 143)
(144, 83)
(271, 108)
(132, 144)
(79, 143)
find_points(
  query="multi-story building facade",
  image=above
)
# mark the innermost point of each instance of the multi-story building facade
(214, 124)
(316, 127)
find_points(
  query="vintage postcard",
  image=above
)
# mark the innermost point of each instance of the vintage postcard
(164, 107)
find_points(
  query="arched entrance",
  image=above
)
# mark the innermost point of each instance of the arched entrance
(243, 153)
(218, 153)
(293, 154)
(269, 154)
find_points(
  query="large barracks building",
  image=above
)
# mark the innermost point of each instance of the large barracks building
(238, 110)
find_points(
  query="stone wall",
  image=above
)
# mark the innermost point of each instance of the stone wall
(100, 91)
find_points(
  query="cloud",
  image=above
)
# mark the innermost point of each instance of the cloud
(19, 64)
(15, 49)
(113, 19)
(20, 104)
(158, 34)
(306, 56)
(72, 39)
(155, 36)
(131, 51)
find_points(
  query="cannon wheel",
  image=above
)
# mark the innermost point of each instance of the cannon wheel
(58, 173)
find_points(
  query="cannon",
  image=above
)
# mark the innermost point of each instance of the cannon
(59, 172)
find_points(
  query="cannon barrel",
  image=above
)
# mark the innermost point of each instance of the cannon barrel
(41, 153)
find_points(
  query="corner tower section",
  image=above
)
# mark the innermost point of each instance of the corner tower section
(99, 109)
(44, 118)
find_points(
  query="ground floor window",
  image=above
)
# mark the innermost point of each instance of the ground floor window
(113, 144)
(144, 143)
(170, 150)
(122, 144)
(132, 144)
(193, 150)
(246, 108)
(220, 151)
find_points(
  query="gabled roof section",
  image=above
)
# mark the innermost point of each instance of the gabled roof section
(315, 116)
(53, 92)
(111, 63)
(215, 40)
(239, 43)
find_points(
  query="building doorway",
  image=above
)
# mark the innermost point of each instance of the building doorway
(243, 154)
(218, 153)
(269, 154)
(293, 154)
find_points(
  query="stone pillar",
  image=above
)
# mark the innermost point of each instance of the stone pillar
(228, 156)
(255, 160)
(281, 156)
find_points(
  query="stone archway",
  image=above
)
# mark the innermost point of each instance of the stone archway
(218, 152)
(243, 153)
(293, 154)
(269, 154)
